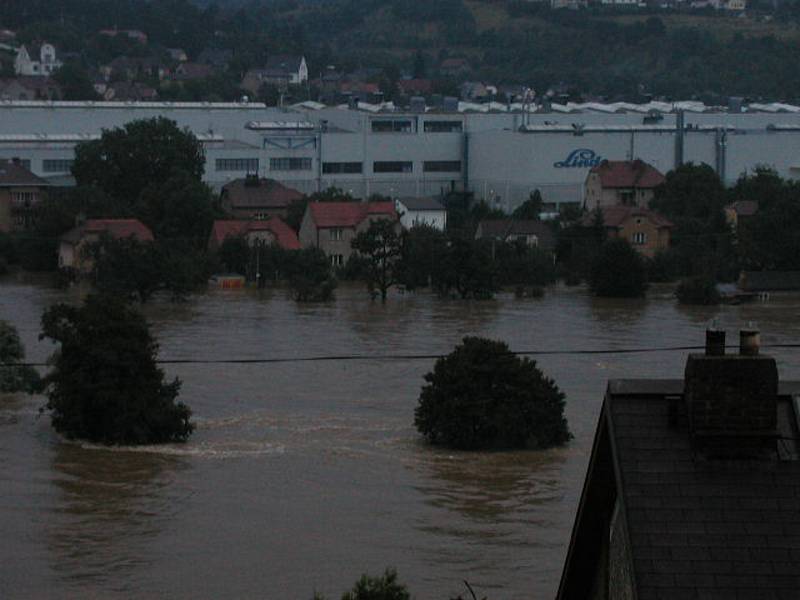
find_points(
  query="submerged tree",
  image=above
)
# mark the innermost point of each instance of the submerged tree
(618, 271)
(310, 277)
(380, 249)
(105, 386)
(483, 396)
(15, 377)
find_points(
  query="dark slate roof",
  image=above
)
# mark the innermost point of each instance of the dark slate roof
(628, 174)
(268, 193)
(703, 528)
(421, 203)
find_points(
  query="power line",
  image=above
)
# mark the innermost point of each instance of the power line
(395, 357)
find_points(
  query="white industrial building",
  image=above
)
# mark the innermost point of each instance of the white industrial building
(501, 152)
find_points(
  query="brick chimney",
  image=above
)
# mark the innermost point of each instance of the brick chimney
(732, 400)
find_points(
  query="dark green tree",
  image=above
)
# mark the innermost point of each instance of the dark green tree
(483, 396)
(126, 267)
(144, 153)
(105, 386)
(423, 247)
(234, 254)
(618, 271)
(380, 248)
(74, 83)
(698, 290)
(14, 377)
(466, 269)
(384, 587)
(530, 209)
(310, 277)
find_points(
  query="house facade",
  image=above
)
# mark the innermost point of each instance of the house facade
(20, 193)
(533, 233)
(289, 67)
(332, 226)
(73, 244)
(267, 232)
(647, 231)
(39, 61)
(421, 211)
(621, 183)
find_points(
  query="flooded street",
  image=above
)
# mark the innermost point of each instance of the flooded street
(301, 476)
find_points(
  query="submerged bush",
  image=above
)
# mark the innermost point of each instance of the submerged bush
(483, 396)
(698, 290)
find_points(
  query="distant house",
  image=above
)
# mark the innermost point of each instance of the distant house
(216, 57)
(285, 67)
(474, 91)
(189, 71)
(20, 193)
(691, 490)
(132, 34)
(134, 67)
(647, 231)
(269, 231)
(621, 183)
(39, 61)
(454, 67)
(71, 250)
(533, 233)
(421, 211)
(125, 91)
(739, 213)
(331, 226)
(177, 54)
(415, 87)
(257, 198)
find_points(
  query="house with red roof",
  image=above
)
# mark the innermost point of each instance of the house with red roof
(646, 230)
(20, 193)
(268, 231)
(415, 87)
(71, 250)
(252, 197)
(331, 226)
(621, 183)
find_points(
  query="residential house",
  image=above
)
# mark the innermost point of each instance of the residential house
(177, 54)
(533, 233)
(331, 226)
(474, 91)
(189, 71)
(135, 67)
(126, 91)
(292, 69)
(39, 61)
(740, 212)
(415, 87)
(252, 197)
(621, 183)
(20, 193)
(647, 231)
(73, 245)
(454, 67)
(267, 232)
(421, 211)
(131, 34)
(692, 486)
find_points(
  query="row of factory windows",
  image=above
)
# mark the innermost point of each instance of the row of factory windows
(250, 165)
(405, 125)
(49, 165)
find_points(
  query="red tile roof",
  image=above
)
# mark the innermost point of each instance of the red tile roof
(348, 214)
(284, 235)
(628, 174)
(615, 216)
(116, 228)
(415, 86)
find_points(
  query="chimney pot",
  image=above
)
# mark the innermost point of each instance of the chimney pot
(715, 342)
(749, 342)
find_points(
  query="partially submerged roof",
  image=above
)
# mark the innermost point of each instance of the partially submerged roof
(116, 228)
(250, 192)
(284, 235)
(628, 174)
(13, 174)
(348, 214)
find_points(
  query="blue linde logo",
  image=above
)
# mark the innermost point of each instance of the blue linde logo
(582, 157)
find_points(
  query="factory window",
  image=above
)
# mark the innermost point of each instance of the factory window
(442, 166)
(395, 166)
(392, 126)
(639, 238)
(289, 163)
(442, 126)
(341, 167)
(248, 165)
(57, 165)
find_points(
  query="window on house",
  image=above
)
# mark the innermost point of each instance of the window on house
(442, 126)
(639, 238)
(392, 167)
(57, 165)
(23, 199)
(441, 166)
(247, 165)
(290, 163)
(392, 126)
(333, 168)
(337, 260)
(336, 234)
(627, 198)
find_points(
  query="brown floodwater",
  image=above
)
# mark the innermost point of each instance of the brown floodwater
(302, 476)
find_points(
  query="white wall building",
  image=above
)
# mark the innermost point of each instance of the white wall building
(421, 211)
(40, 61)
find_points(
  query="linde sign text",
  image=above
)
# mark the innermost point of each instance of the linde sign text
(582, 157)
